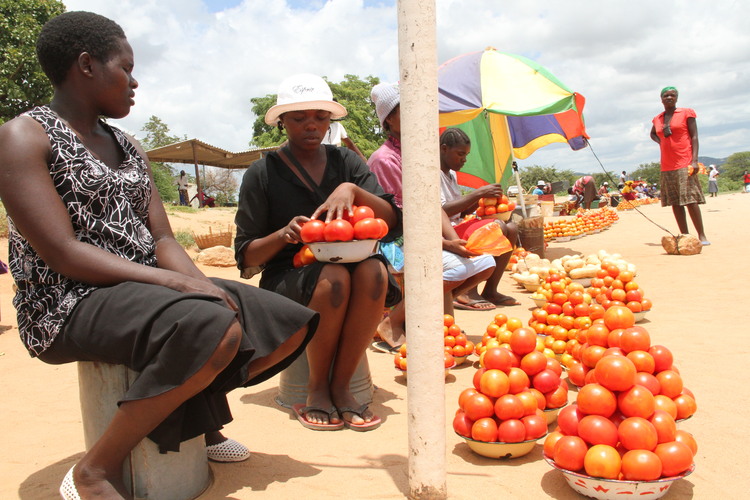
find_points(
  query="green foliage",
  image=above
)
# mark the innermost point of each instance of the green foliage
(353, 93)
(735, 166)
(23, 84)
(157, 135)
(649, 172)
(184, 238)
(531, 175)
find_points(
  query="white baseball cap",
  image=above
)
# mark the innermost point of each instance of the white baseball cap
(302, 92)
(541, 183)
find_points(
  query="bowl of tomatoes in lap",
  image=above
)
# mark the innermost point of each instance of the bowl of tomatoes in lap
(350, 239)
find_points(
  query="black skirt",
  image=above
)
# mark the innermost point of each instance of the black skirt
(167, 336)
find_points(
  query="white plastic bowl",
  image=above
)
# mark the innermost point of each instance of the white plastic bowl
(539, 302)
(501, 450)
(340, 252)
(640, 316)
(610, 489)
(531, 288)
(551, 413)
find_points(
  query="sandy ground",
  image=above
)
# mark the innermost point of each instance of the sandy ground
(699, 303)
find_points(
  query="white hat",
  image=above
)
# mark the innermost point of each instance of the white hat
(302, 92)
(541, 183)
(386, 97)
(605, 183)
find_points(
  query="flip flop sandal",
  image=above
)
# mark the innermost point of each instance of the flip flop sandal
(470, 306)
(383, 346)
(301, 411)
(227, 451)
(68, 487)
(363, 427)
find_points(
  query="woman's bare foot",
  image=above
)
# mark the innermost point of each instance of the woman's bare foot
(392, 333)
(91, 482)
(346, 400)
(322, 400)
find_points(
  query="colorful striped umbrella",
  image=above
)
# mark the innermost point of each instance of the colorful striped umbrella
(510, 106)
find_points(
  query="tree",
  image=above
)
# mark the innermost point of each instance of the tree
(221, 183)
(649, 172)
(361, 122)
(157, 135)
(23, 84)
(533, 174)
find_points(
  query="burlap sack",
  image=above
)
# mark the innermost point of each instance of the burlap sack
(683, 244)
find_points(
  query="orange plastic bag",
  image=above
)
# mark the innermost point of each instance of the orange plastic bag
(489, 239)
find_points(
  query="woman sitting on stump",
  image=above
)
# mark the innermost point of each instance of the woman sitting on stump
(101, 277)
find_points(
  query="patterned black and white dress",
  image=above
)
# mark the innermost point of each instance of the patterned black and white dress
(163, 334)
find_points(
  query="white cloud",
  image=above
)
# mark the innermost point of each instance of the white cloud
(198, 70)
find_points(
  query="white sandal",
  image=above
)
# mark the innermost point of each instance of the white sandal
(227, 451)
(68, 487)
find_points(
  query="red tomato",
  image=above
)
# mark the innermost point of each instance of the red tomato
(529, 402)
(498, 358)
(511, 431)
(533, 362)
(383, 227)
(462, 424)
(484, 429)
(518, 380)
(478, 376)
(576, 374)
(635, 338)
(568, 419)
(671, 383)
(338, 230)
(595, 429)
(555, 366)
(676, 458)
(662, 402)
(636, 402)
(509, 406)
(536, 426)
(666, 428)
(648, 381)
(494, 383)
(686, 406)
(597, 334)
(618, 317)
(643, 361)
(602, 460)
(479, 406)
(465, 394)
(688, 439)
(595, 399)
(363, 212)
(523, 341)
(641, 465)
(550, 442)
(616, 373)
(570, 452)
(546, 380)
(312, 231)
(637, 433)
(366, 229)
(662, 357)
(558, 397)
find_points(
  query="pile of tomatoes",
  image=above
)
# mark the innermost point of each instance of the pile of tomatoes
(492, 206)
(455, 340)
(361, 225)
(513, 387)
(623, 423)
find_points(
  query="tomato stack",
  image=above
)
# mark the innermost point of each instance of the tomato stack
(361, 225)
(513, 387)
(492, 206)
(623, 424)
(455, 341)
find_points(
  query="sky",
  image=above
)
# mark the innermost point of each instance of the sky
(199, 62)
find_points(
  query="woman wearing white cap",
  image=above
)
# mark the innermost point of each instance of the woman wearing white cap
(306, 180)
(539, 189)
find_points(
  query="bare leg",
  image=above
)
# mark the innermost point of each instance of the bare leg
(369, 284)
(99, 472)
(490, 291)
(695, 215)
(679, 215)
(330, 299)
(448, 292)
(391, 328)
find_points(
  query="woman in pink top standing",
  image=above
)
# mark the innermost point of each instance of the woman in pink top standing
(676, 133)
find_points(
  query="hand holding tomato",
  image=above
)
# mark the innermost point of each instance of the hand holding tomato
(490, 191)
(291, 232)
(339, 203)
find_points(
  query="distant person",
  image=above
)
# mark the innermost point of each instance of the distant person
(337, 134)
(746, 181)
(676, 132)
(182, 188)
(623, 179)
(539, 189)
(585, 189)
(204, 200)
(713, 184)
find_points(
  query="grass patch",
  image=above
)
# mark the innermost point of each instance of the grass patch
(173, 209)
(184, 238)
(3, 222)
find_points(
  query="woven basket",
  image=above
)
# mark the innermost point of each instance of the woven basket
(222, 238)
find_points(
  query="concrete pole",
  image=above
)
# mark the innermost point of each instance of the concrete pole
(422, 249)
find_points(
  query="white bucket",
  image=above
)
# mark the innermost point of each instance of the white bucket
(548, 208)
